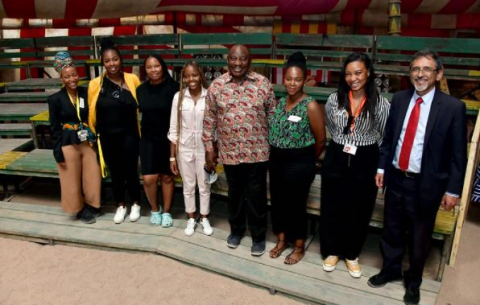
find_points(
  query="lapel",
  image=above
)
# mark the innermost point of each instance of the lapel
(402, 112)
(66, 97)
(432, 116)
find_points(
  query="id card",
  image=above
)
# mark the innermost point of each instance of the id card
(82, 103)
(294, 118)
(82, 135)
(350, 149)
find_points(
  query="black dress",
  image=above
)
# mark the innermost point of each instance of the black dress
(156, 104)
(117, 128)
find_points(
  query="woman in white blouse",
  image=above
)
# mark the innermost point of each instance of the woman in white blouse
(187, 152)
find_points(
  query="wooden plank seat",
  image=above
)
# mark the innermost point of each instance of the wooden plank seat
(198, 45)
(7, 145)
(39, 84)
(322, 46)
(20, 111)
(461, 56)
(40, 163)
(16, 129)
(24, 96)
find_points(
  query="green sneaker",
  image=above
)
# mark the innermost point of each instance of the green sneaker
(156, 218)
(167, 220)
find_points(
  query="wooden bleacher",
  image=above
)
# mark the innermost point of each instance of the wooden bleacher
(391, 56)
(40, 163)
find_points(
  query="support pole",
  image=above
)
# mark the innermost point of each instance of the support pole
(394, 17)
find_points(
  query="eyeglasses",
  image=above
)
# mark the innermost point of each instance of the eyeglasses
(426, 70)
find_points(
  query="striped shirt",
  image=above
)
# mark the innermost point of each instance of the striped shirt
(362, 134)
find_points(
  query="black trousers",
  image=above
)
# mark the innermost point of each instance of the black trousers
(347, 200)
(292, 172)
(120, 152)
(405, 223)
(247, 199)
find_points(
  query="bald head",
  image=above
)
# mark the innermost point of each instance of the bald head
(238, 62)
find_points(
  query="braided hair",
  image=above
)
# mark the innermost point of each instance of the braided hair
(181, 93)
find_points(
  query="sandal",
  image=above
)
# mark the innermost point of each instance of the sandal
(167, 220)
(277, 251)
(289, 260)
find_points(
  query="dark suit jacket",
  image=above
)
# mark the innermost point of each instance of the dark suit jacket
(61, 111)
(444, 155)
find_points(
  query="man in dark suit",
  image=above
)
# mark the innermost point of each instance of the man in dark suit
(422, 165)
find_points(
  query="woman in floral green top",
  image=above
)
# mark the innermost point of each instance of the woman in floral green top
(297, 138)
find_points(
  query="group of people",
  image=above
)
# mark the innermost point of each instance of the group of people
(415, 147)
(99, 129)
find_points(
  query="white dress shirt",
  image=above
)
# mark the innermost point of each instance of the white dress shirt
(415, 163)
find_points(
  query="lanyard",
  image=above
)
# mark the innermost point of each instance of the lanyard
(77, 108)
(359, 109)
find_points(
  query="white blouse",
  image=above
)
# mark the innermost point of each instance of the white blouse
(192, 121)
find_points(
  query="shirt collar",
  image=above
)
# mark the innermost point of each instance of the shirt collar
(249, 76)
(427, 98)
(203, 94)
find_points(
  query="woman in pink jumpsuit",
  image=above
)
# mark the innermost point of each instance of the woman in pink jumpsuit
(187, 152)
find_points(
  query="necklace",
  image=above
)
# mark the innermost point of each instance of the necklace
(121, 82)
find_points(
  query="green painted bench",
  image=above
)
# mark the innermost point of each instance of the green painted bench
(461, 56)
(322, 51)
(16, 129)
(23, 97)
(20, 111)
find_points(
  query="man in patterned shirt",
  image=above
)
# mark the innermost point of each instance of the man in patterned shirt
(238, 105)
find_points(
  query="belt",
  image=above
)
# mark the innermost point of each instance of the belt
(407, 174)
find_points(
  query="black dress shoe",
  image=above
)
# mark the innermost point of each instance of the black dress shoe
(380, 280)
(412, 296)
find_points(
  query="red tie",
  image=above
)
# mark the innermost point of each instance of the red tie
(409, 136)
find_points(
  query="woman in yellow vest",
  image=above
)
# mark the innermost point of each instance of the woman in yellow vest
(113, 116)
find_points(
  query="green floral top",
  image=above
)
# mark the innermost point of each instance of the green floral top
(294, 132)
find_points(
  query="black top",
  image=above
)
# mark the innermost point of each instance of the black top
(63, 111)
(116, 110)
(156, 104)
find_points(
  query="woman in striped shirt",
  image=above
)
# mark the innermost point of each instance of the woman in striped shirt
(356, 117)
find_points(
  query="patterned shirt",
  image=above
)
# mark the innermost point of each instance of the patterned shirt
(363, 134)
(291, 133)
(238, 115)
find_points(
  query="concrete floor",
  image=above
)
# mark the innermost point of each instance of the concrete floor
(459, 286)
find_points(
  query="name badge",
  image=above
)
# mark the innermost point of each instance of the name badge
(294, 118)
(82, 103)
(350, 149)
(82, 135)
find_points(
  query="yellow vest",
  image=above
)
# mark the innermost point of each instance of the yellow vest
(94, 88)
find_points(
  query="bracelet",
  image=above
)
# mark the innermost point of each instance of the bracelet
(173, 159)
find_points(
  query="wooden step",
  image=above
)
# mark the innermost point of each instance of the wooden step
(305, 280)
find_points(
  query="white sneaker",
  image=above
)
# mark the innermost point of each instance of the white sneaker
(135, 212)
(207, 229)
(120, 214)
(190, 229)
